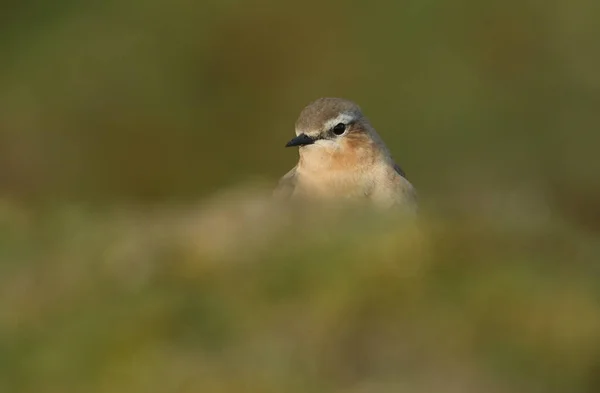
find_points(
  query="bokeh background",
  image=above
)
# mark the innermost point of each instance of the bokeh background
(135, 257)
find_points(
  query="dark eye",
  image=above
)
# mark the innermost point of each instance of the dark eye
(339, 129)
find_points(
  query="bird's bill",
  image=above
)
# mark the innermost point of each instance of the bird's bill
(300, 140)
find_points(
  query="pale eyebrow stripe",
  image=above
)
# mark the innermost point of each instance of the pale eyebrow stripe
(342, 118)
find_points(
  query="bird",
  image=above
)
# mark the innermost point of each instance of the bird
(343, 158)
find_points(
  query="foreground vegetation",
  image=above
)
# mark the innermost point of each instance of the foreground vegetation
(240, 295)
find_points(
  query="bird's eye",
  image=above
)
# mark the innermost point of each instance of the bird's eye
(339, 129)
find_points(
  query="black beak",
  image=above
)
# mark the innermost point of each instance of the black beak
(300, 140)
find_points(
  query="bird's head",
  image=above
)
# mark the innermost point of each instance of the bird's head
(335, 127)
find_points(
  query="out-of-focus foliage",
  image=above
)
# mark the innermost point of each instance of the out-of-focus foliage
(212, 299)
(123, 269)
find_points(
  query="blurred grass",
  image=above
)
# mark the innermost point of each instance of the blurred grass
(128, 301)
(124, 267)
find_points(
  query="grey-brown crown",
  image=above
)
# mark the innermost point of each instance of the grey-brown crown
(318, 112)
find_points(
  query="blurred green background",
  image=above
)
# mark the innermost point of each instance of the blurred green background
(124, 266)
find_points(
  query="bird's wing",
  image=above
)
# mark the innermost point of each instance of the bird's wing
(409, 191)
(286, 185)
(404, 189)
(399, 170)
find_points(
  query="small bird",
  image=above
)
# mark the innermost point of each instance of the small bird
(343, 158)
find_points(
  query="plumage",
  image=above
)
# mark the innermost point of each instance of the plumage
(343, 158)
